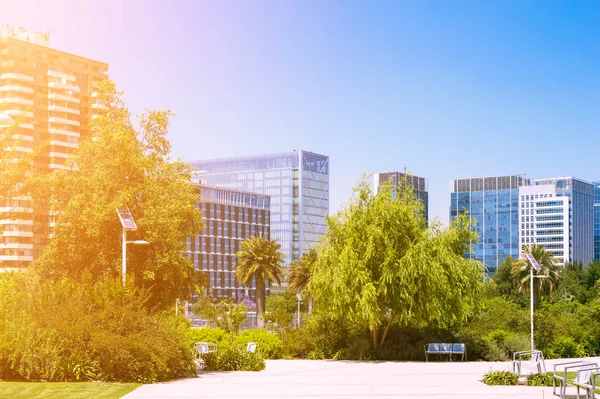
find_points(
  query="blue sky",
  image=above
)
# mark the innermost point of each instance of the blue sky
(450, 89)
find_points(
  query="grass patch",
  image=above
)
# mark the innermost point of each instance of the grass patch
(65, 390)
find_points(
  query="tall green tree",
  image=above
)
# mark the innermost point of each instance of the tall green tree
(504, 278)
(260, 259)
(379, 264)
(123, 166)
(299, 274)
(548, 268)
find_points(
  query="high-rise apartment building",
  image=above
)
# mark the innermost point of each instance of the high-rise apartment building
(573, 238)
(397, 179)
(597, 220)
(493, 202)
(545, 220)
(230, 216)
(298, 184)
(50, 94)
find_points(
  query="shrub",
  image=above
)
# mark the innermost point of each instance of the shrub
(540, 379)
(500, 378)
(233, 360)
(213, 335)
(269, 345)
(297, 343)
(566, 347)
(69, 330)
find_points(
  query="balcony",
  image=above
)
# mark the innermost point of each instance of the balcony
(17, 233)
(61, 75)
(59, 108)
(17, 88)
(18, 113)
(16, 100)
(55, 130)
(63, 97)
(55, 154)
(62, 144)
(16, 258)
(64, 86)
(99, 106)
(56, 119)
(17, 76)
(58, 166)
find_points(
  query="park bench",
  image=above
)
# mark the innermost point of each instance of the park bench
(586, 377)
(446, 349)
(248, 346)
(536, 356)
(204, 347)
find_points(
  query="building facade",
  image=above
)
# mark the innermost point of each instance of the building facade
(297, 183)
(579, 196)
(396, 179)
(493, 202)
(545, 220)
(230, 216)
(50, 95)
(597, 220)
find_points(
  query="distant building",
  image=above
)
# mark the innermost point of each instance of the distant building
(564, 224)
(230, 216)
(493, 202)
(597, 220)
(52, 95)
(395, 179)
(297, 183)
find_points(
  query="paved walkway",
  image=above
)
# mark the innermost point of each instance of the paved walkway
(324, 379)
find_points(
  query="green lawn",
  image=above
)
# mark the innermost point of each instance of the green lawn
(64, 390)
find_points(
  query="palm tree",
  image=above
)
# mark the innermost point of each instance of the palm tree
(300, 273)
(260, 259)
(548, 268)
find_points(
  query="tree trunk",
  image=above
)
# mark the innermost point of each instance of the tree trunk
(260, 302)
(387, 328)
(310, 304)
(374, 334)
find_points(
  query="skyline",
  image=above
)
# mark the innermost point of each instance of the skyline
(451, 90)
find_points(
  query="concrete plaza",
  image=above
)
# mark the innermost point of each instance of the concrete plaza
(324, 379)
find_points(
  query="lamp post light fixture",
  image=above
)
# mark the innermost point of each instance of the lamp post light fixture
(534, 265)
(128, 224)
(299, 301)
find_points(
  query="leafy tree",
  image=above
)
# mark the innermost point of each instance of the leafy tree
(300, 273)
(281, 308)
(260, 259)
(548, 267)
(125, 167)
(379, 264)
(226, 314)
(504, 278)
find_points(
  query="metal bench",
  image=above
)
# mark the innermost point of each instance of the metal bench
(204, 347)
(536, 356)
(578, 365)
(445, 349)
(586, 379)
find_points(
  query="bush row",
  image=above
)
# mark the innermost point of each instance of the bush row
(67, 331)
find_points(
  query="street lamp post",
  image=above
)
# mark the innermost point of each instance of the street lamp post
(128, 224)
(299, 300)
(533, 265)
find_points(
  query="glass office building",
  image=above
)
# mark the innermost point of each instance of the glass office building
(297, 183)
(394, 179)
(230, 216)
(494, 204)
(581, 211)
